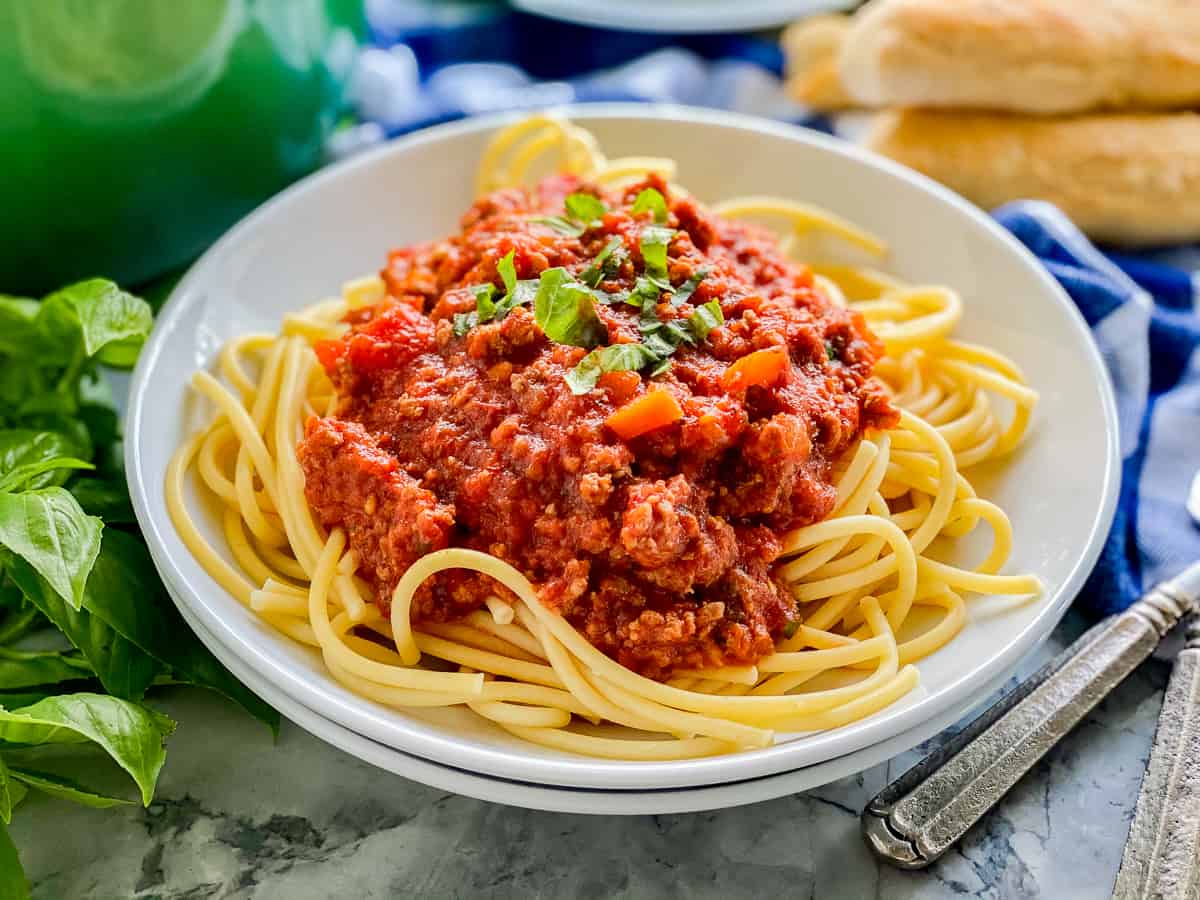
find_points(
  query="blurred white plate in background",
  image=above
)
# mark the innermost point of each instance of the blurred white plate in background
(682, 16)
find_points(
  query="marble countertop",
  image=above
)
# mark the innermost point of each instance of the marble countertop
(236, 817)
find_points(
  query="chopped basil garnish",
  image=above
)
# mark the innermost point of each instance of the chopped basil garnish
(615, 358)
(583, 207)
(487, 309)
(663, 366)
(790, 629)
(684, 292)
(653, 244)
(650, 200)
(566, 311)
(705, 319)
(830, 350)
(583, 210)
(561, 225)
(508, 272)
(484, 306)
(605, 264)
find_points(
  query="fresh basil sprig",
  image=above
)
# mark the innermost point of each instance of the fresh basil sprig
(75, 578)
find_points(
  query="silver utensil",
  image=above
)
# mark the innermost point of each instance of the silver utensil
(922, 814)
(1162, 853)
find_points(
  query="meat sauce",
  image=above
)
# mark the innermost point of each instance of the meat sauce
(657, 548)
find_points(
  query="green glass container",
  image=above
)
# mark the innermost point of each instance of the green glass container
(133, 132)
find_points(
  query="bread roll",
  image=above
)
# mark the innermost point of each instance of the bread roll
(1036, 56)
(811, 48)
(1123, 178)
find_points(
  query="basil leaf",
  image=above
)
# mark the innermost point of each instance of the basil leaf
(464, 322)
(18, 699)
(583, 207)
(685, 290)
(831, 352)
(105, 498)
(508, 272)
(650, 200)
(30, 668)
(131, 734)
(566, 312)
(485, 309)
(614, 358)
(48, 529)
(127, 595)
(790, 629)
(19, 333)
(23, 446)
(123, 668)
(561, 225)
(659, 345)
(645, 294)
(705, 319)
(13, 885)
(654, 242)
(27, 475)
(112, 323)
(64, 788)
(663, 366)
(6, 798)
(599, 269)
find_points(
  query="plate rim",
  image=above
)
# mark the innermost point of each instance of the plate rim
(421, 739)
(583, 801)
(743, 16)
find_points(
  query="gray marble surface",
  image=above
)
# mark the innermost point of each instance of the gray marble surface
(237, 817)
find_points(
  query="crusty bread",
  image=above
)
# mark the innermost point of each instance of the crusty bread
(811, 48)
(1123, 178)
(1037, 56)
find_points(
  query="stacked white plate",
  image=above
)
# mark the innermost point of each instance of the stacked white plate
(1060, 489)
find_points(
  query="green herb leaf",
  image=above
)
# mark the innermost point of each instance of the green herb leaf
(650, 200)
(13, 884)
(685, 290)
(508, 272)
(49, 530)
(25, 476)
(705, 319)
(105, 498)
(123, 668)
(566, 311)
(663, 366)
(583, 207)
(654, 243)
(790, 629)
(561, 225)
(30, 668)
(126, 594)
(26, 446)
(614, 358)
(464, 322)
(485, 309)
(65, 789)
(130, 733)
(600, 267)
(19, 334)
(112, 323)
(6, 799)
(831, 351)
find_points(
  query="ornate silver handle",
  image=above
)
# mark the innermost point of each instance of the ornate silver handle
(1162, 853)
(921, 815)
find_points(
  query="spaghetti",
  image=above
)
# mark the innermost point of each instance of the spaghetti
(858, 576)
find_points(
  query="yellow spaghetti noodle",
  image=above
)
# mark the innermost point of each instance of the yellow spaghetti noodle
(857, 576)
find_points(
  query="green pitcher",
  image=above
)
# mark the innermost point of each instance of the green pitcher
(133, 132)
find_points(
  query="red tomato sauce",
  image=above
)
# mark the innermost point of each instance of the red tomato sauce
(657, 547)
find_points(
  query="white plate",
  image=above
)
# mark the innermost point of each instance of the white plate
(1060, 489)
(682, 16)
(574, 800)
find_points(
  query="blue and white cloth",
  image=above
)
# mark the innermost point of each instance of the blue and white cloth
(1144, 310)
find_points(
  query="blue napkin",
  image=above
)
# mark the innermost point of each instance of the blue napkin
(1144, 309)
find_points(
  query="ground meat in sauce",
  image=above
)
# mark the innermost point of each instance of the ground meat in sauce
(658, 549)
